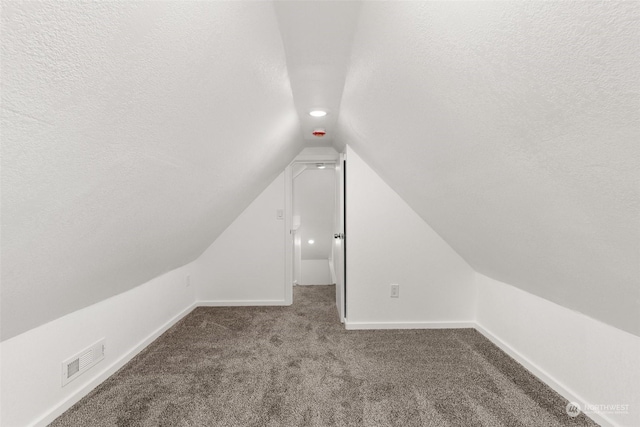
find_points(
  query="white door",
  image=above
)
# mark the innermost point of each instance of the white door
(339, 241)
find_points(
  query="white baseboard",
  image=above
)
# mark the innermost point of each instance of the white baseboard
(239, 303)
(98, 379)
(407, 325)
(524, 361)
(63, 406)
(543, 376)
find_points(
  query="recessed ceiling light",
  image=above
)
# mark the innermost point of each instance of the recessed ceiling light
(321, 165)
(311, 242)
(317, 113)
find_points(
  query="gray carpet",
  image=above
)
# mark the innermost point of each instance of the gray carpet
(297, 366)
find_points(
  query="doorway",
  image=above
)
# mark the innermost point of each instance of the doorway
(315, 226)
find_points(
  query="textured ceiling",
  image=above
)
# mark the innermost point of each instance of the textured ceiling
(513, 129)
(317, 39)
(133, 133)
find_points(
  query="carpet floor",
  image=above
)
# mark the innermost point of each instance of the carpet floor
(298, 366)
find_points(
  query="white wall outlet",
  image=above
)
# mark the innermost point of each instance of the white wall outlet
(395, 290)
(188, 280)
(280, 214)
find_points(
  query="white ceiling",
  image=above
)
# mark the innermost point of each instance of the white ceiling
(317, 40)
(513, 129)
(133, 133)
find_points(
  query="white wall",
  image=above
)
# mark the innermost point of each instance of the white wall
(32, 362)
(584, 359)
(387, 242)
(297, 257)
(314, 203)
(245, 265)
(315, 272)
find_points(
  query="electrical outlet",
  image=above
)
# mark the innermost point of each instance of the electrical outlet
(395, 290)
(188, 280)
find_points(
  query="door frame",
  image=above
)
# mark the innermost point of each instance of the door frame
(288, 214)
(341, 227)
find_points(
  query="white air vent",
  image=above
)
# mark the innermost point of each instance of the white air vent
(81, 362)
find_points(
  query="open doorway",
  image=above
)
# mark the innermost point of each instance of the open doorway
(313, 223)
(317, 179)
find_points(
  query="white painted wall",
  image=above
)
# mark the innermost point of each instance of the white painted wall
(315, 272)
(314, 203)
(585, 360)
(245, 265)
(297, 256)
(31, 391)
(387, 242)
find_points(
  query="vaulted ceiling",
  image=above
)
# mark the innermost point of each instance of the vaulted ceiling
(133, 133)
(513, 129)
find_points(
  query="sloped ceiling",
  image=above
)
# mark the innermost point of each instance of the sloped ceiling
(513, 129)
(133, 134)
(317, 38)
